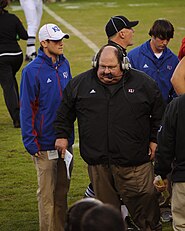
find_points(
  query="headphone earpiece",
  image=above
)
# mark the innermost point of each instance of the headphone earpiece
(124, 60)
(94, 60)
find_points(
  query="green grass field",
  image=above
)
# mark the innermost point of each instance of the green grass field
(18, 183)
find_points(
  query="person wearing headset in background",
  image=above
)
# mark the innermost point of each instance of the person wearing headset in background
(33, 13)
(119, 111)
(11, 58)
(42, 85)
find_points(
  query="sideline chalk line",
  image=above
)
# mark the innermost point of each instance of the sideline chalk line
(87, 41)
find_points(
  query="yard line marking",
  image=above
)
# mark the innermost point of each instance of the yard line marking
(88, 42)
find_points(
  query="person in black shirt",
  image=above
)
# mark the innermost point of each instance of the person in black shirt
(11, 58)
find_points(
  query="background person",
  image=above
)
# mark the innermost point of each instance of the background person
(33, 13)
(181, 53)
(159, 62)
(119, 111)
(76, 212)
(170, 157)
(102, 217)
(42, 85)
(155, 58)
(178, 78)
(11, 58)
(120, 32)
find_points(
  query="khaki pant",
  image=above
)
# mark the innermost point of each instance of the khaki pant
(53, 187)
(135, 186)
(178, 205)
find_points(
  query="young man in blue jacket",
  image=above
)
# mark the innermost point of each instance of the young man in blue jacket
(155, 58)
(42, 85)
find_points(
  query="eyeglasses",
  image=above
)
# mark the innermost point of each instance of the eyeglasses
(110, 68)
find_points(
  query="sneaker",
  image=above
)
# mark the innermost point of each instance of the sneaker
(31, 57)
(16, 124)
(166, 216)
(130, 224)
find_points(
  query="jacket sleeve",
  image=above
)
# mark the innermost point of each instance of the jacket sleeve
(66, 114)
(166, 140)
(157, 111)
(29, 91)
(21, 31)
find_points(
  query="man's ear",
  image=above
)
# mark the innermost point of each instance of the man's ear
(44, 44)
(122, 33)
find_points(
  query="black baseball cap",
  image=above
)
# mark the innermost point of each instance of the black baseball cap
(117, 23)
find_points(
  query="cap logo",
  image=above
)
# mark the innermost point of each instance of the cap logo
(55, 28)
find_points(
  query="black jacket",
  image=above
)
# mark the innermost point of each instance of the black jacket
(11, 28)
(171, 138)
(115, 127)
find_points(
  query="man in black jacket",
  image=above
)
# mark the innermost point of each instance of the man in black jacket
(119, 111)
(171, 157)
(120, 32)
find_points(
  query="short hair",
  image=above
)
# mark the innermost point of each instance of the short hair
(3, 4)
(76, 212)
(162, 29)
(103, 217)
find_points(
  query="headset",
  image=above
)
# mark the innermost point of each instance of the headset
(124, 60)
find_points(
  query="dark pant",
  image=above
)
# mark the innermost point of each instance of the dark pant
(135, 186)
(9, 65)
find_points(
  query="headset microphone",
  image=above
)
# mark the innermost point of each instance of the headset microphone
(110, 76)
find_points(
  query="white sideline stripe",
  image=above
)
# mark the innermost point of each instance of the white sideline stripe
(76, 145)
(88, 42)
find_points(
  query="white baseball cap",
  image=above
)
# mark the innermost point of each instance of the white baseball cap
(51, 32)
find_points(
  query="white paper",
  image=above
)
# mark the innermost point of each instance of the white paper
(68, 158)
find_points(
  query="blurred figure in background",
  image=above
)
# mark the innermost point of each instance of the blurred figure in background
(33, 13)
(178, 78)
(170, 158)
(181, 53)
(77, 210)
(159, 62)
(11, 58)
(102, 217)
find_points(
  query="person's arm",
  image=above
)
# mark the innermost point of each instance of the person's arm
(21, 31)
(181, 53)
(178, 78)
(157, 110)
(166, 141)
(29, 91)
(64, 121)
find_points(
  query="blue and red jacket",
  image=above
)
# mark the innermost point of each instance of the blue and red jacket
(41, 91)
(160, 69)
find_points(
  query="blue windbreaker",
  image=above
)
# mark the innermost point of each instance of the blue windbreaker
(41, 90)
(161, 70)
